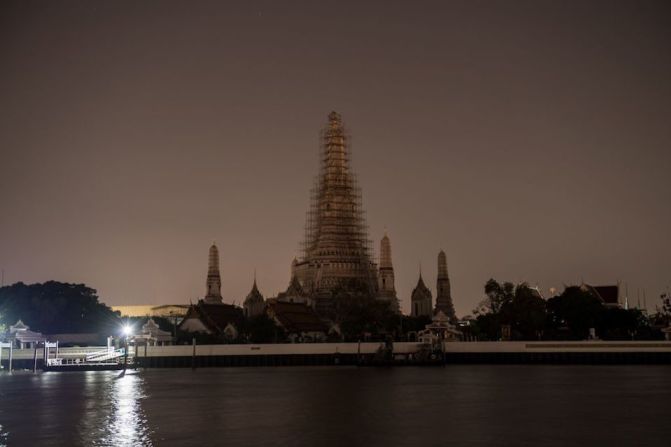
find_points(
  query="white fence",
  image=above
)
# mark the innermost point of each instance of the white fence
(363, 348)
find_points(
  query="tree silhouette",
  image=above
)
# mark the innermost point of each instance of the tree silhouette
(55, 307)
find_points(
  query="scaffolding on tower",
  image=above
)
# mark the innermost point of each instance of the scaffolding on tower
(336, 246)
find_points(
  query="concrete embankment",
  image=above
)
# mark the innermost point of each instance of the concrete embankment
(560, 352)
(592, 352)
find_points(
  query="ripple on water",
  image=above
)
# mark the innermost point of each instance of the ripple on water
(115, 416)
(3, 437)
(475, 405)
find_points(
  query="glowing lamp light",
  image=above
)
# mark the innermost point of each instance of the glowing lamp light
(127, 330)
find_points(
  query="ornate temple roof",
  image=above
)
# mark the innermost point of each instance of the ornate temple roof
(151, 329)
(295, 288)
(420, 291)
(254, 296)
(606, 294)
(440, 317)
(21, 332)
(18, 326)
(215, 316)
(296, 317)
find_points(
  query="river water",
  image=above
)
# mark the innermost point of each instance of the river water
(458, 405)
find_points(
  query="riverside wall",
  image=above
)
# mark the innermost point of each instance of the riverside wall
(559, 352)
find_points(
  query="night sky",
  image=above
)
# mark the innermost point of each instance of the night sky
(529, 140)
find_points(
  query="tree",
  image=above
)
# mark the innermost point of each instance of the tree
(573, 313)
(525, 313)
(518, 306)
(261, 329)
(662, 317)
(498, 295)
(666, 306)
(487, 326)
(488, 318)
(413, 324)
(55, 307)
(568, 316)
(356, 311)
(622, 324)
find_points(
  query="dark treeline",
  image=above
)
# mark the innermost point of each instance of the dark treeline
(568, 316)
(56, 308)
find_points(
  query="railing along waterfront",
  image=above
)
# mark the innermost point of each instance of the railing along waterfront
(351, 353)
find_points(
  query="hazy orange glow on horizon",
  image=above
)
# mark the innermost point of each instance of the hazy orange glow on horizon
(529, 140)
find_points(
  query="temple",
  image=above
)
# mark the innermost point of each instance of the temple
(211, 315)
(213, 295)
(336, 248)
(440, 329)
(21, 337)
(386, 288)
(152, 335)
(222, 321)
(336, 261)
(294, 293)
(443, 294)
(299, 322)
(609, 296)
(254, 304)
(421, 299)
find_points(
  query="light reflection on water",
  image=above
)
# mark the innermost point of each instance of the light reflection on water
(3, 437)
(101, 408)
(113, 414)
(128, 424)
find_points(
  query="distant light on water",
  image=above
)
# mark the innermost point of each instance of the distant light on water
(127, 424)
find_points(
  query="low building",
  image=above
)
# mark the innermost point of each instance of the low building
(21, 337)
(221, 320)
(440, 329)
(152, 335)
(299, 321)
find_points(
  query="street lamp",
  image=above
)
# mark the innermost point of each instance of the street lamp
(127, 330)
